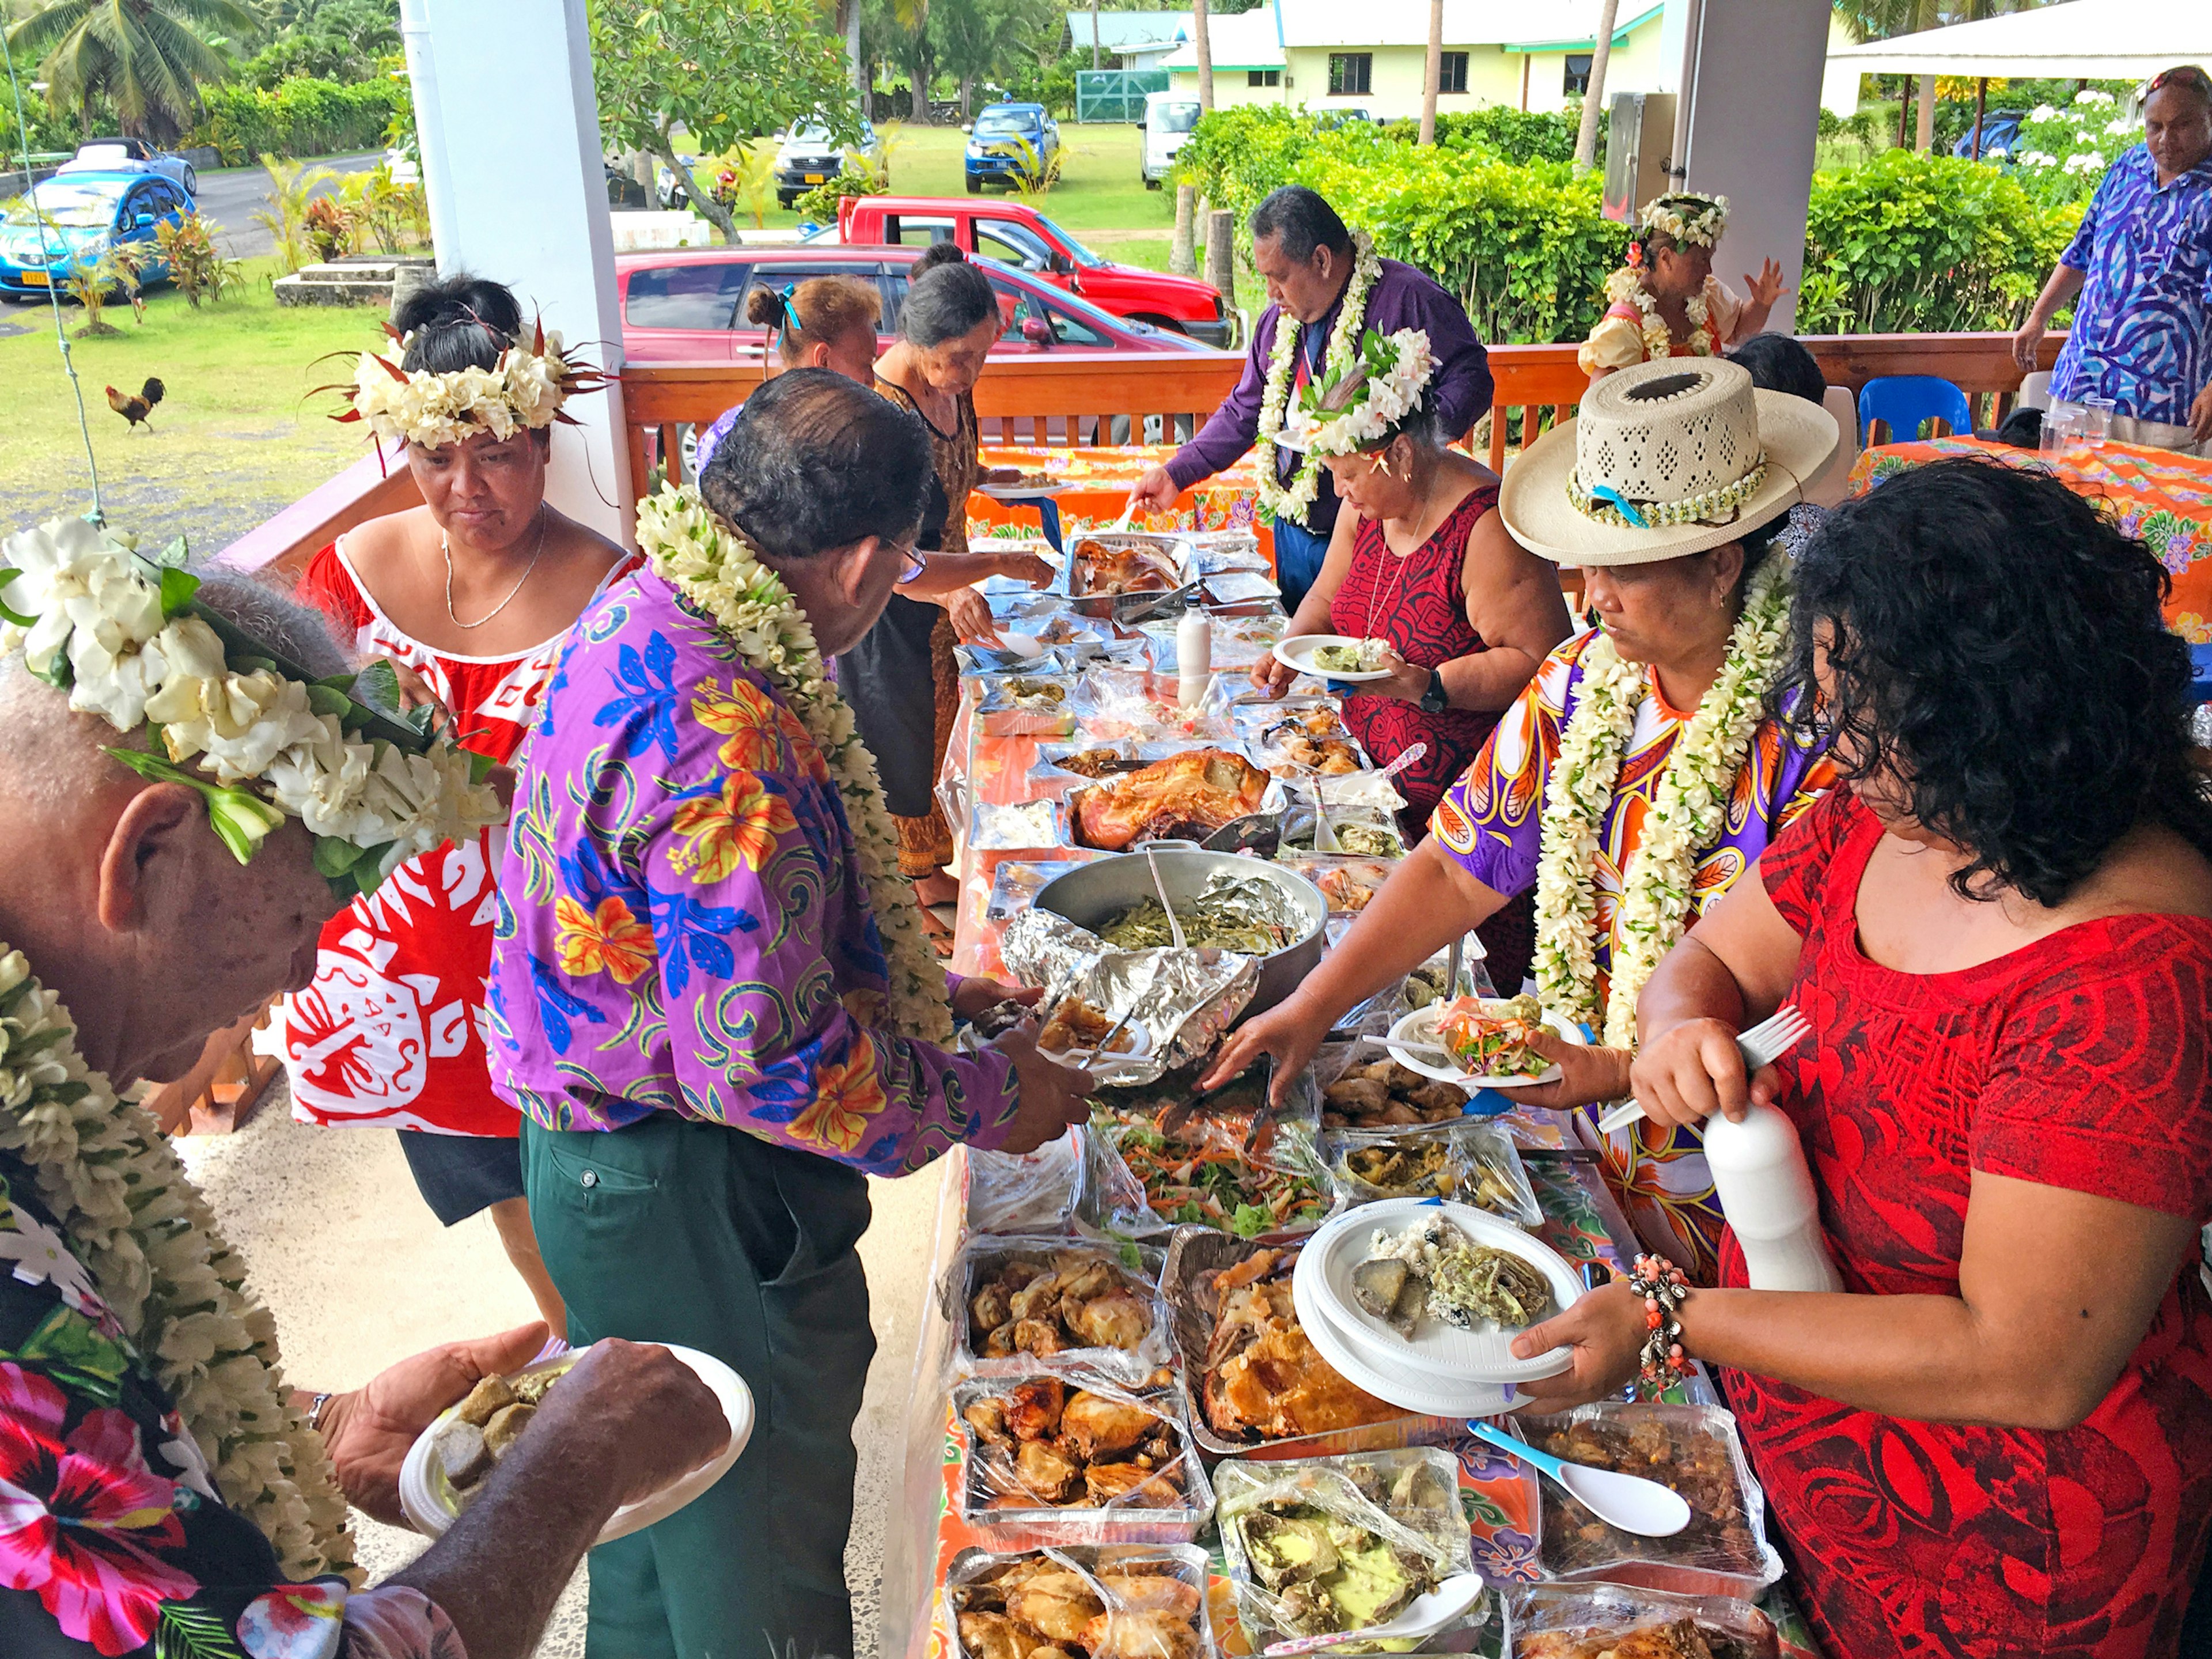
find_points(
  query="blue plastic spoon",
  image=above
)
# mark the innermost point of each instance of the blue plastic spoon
(1626, 1501)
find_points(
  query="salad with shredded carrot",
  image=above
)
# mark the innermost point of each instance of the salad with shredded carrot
(1490, 1037)
(1197, 1170)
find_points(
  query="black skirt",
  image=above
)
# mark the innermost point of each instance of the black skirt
(886, 678)
(459, 1175)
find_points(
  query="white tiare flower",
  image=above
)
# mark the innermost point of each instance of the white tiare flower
(2094, 98)
(2043, 112)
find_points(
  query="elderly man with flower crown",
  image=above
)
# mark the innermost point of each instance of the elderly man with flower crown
(1327, 289)
(195, 785)
(715, 1003)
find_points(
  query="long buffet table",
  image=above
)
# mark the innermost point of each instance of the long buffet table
(930, 1539)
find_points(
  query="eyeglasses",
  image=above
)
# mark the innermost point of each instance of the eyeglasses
(2188, 75)
(916, 566)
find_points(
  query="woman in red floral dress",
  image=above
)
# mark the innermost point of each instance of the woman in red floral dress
(1998, 1440)
(472, 595)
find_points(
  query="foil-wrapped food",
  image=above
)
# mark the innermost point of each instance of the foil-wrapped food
(1253, 915)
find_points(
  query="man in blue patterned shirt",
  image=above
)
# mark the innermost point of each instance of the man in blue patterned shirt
(2142, 265)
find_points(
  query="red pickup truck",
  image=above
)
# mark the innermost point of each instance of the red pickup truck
(1021, 236)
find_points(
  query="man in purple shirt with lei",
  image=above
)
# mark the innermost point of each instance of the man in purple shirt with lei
(1332, 287)
(710, 1012)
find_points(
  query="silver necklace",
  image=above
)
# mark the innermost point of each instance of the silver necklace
(446, 547)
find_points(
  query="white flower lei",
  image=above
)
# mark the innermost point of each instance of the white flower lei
(1686, 814)
(176, 1288)
(706, 561)
(1343, 345)
(1626, 285)
(523, 389)
(1385, 399)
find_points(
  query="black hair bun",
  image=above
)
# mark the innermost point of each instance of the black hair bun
(937, 253)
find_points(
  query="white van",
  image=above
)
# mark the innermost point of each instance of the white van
(1169, 117)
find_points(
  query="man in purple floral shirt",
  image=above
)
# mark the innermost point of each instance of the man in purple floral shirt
(686, 1003)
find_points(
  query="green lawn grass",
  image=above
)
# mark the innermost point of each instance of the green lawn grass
(236, 438)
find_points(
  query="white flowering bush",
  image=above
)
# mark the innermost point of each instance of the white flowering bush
(2062, 151)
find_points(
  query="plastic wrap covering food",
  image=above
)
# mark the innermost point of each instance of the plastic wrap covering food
(1256, 1382)
(1073, 764)
(1467, 1159)
(1111, 703)
(1026, 1194)
(1420, 988)
(1692, 1448)
(1025, 705)
(1342, 1544)
(1227, 549)
(1363, 1088)
(1018, 825)
(1239, 642)
(1320, 815)
(1349, 885)
(1015, 883)
(1120, 1601)
(1015, 1301)
(1065, 1457)
(1621, 1621)
(1162, 1155)
(1242, 588)
(1300, 736)
(1182, 1001)
(1128, 562)
(1186, 797)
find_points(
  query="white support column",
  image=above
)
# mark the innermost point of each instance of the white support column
(1753, 102)
(511, 161)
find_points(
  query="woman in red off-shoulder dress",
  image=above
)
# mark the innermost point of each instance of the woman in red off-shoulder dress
(1998, 1440)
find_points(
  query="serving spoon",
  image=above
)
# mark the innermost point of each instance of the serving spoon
(1422, 1616)
(1626, 1501)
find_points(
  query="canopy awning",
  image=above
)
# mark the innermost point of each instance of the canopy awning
(2091, 39)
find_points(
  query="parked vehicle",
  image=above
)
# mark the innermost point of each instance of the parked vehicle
(1169, 117)
(2000, 135)
(1016, 234)
(685, 305)
(996, 140)
(809, 156)
(402, 167)
(74, 218)
(121, 154)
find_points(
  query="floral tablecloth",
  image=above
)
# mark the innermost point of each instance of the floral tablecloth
(1099, 481)
(2163, 498)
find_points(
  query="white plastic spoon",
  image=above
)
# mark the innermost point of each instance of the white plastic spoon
(1422, 1616)
(1626, 1501)
(1021, 645)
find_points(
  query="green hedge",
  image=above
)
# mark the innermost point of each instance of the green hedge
(296, 118)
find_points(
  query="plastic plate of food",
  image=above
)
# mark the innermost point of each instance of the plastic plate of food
(1030, 486)
(1334, 656)
(1435, 1292)
(1492, 1032)
(447, 1465)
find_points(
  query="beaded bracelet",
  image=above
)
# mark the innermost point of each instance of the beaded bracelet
(1663, 1288)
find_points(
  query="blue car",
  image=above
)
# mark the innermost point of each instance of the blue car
(74, 218)
(995, 144)
(2000, 135)
(121, 154)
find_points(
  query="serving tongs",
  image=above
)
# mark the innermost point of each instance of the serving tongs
(1255, 832)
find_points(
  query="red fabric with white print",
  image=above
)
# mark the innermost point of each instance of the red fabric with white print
(391, 1032)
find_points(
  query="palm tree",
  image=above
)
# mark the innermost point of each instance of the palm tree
(1432, 74)
(148, 56)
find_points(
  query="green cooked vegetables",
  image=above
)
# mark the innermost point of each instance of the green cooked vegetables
(1245, 916)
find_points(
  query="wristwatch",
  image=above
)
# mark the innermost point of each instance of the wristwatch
(1436, 699)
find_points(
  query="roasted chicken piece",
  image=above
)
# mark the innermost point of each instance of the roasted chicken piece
(1261, 1374)
(1037, 1336)
(1132, 1485)
(1190, 795)
(1101, 1428)
(1045, 1474)
(991, 1636)
(1114, 1320)
(1150, 1592)
(1034, 1407)
(988, 1420)
(1055, 1605)
(1139, 1636)
(990, 1307)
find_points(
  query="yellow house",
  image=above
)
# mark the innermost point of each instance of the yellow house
(1371, 55)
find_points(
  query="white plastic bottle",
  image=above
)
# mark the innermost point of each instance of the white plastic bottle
(1194, 654)
(1765, 1191)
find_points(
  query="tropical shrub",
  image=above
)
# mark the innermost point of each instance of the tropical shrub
(819, 204)
(2064, 151)
(330, 229)
(198, 269)
(297, 117)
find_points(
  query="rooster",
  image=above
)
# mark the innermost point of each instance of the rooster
(137, 409)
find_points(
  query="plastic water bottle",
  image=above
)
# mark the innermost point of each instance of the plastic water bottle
(1765, 1191)
(1194, 654)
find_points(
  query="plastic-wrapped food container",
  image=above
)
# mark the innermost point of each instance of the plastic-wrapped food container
(1694, 1449)
(1468, 1160)
(1337, 1417)
(1018, 881)
(1392, 1521)
(1018, 826)
(1065, 1457)
(1111, 703)
(1029, 1194)
(984, 1589)
(1588, 1621)
(1074, 1303)
(1029, 705)
(1349, 885)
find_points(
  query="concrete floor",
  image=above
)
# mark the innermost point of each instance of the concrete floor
(359, 1273)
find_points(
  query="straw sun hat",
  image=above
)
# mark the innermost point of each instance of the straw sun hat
(1685, 445)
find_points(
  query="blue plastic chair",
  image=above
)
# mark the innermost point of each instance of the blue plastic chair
(1903, 401)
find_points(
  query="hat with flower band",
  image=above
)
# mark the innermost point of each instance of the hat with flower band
(1664, 458)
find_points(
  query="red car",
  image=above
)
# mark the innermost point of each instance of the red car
(1018, 235)
(686, 306)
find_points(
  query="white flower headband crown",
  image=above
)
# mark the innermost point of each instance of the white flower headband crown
(429, 408)
(1697, 220)
(1363, 407)
(124, 637)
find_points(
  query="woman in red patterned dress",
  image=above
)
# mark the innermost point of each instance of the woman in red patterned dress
(1423, 562)
(1998, 1439)
(470, 594)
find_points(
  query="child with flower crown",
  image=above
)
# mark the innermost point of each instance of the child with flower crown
(1666, 301)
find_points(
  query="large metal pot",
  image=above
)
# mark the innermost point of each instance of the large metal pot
(1095, 893)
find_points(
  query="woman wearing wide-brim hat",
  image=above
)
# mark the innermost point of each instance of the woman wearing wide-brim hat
(1640, 773)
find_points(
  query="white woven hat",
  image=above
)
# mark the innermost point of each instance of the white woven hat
(1666, 458)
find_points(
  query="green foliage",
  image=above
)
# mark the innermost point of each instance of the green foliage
(396, 214)
(1511, 135)
(1035, 176)
(149, 58)
(297, 118)
(331, 230)
(198, 269)
(292, 186)
(819, 204)
(333, 41)
(1924, 244)
(2065, 149)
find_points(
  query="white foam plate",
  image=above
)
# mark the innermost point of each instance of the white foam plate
(1296, 652)
(1420, 1026)
(1427, 1396)
(1437, 1354)
(429, 1500)
(1021, 492)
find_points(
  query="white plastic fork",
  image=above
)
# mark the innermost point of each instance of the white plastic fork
(1762, 1045)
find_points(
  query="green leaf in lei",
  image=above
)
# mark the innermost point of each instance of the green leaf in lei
(186, 1631)
(69, 1348)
